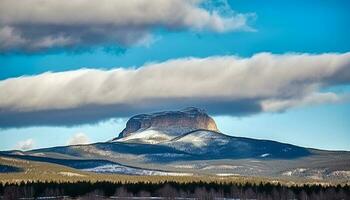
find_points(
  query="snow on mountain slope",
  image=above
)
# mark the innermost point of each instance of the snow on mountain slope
(199, 141)
(202, 138)
(198, 138)
(213, 145)
(148, 136)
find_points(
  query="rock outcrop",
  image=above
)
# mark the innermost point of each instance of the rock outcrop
(181, 121)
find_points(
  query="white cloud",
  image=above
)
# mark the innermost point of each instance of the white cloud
(310, 99)
(263, 82)
(89, 22)
(78, 138)
(25, 144)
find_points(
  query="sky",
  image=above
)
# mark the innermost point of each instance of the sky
(73, 72)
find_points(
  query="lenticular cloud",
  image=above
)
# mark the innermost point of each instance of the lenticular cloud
(225, 85)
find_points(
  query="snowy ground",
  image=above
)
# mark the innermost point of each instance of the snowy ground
(119, 169)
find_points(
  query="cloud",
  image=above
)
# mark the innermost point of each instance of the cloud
(79, 138)
(25, 144)
(38, 25)
(311, 99)
(226, 85)
(9, 38)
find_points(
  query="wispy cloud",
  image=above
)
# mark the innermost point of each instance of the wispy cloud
(37, 25)
(314, 98)
(25, 144)
(226, 85)
(78, 138)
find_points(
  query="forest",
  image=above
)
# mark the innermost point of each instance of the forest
(169, 190)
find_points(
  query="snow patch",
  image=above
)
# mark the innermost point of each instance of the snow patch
(203, 138)
(341, 174)
(147, 136)
(184, 166)
(199, 142)
(221, 167)
(294, 172)
(265, 155)
(119, 169)
(227, 174)
(38, 154)
(17, 153)
(70, 174)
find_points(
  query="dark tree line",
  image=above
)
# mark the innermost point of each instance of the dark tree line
(170, 190)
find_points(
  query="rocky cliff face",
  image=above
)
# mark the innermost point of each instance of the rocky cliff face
(182, 121)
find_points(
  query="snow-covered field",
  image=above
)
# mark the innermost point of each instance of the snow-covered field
(318, 174)
(119, 169)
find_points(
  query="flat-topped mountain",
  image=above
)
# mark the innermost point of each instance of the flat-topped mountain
(192, 130)
(188, 142)
(170, 123)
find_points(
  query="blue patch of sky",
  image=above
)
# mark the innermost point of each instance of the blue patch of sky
(57, 136)
(323, 126)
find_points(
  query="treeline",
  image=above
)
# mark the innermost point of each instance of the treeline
(171, 190)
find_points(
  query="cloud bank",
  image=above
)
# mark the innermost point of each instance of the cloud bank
(79, 138)
(225, 85)
(25, 144)
(38, 25)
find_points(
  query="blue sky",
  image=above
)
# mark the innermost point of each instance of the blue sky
(277, 27)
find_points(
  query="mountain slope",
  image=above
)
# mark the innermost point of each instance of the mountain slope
(188, 142)
(219, 145)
